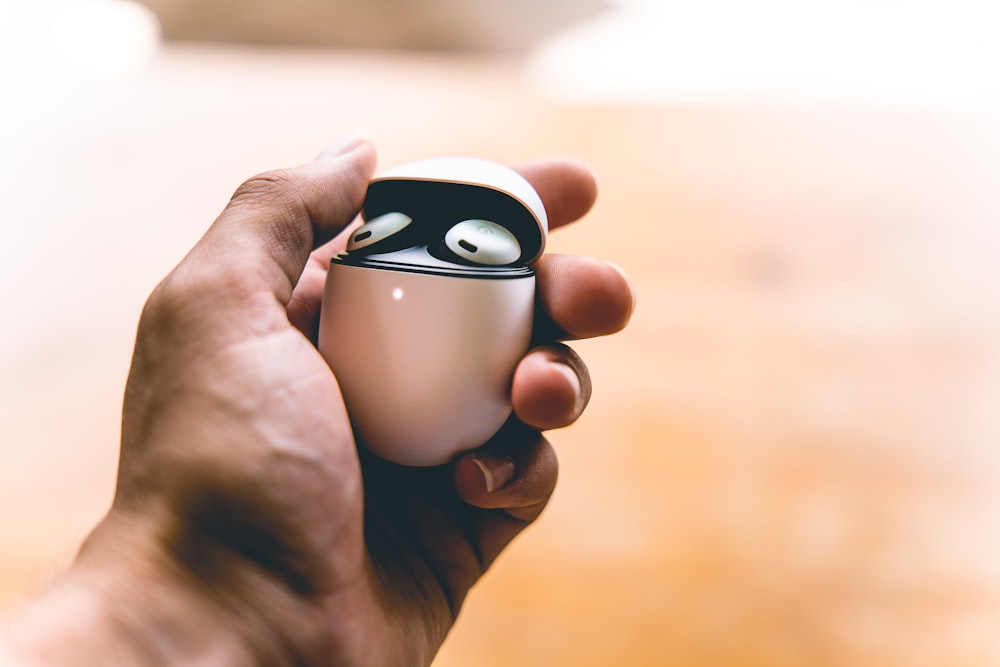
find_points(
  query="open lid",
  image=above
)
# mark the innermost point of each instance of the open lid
(440, 192)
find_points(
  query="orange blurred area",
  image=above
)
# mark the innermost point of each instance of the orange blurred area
(791, 454)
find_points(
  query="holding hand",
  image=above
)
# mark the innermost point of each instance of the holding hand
(246, 528)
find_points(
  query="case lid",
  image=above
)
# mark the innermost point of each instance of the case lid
(443, 191)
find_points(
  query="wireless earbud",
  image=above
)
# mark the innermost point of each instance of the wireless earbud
(483, 242)
(380, 229)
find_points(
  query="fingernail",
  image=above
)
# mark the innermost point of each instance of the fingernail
(497, 471)
(628, 281)
(574, 381)
(344, 146)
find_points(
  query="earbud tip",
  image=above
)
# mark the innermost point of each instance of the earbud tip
(378, 229)
(483, 242)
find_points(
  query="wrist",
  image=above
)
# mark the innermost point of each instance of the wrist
(116, 607)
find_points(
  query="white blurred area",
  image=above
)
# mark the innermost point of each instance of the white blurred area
(902, 53)
(771, 52)
(88, 38)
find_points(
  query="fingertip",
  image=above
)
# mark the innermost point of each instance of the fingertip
(632, 296)
(584, 296)
(581, 181)
(509, 473)
(551, 388)
(346, 144)
(336, 185)
(568, 187)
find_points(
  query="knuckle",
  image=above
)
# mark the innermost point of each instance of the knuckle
(179, 299)
(164, 303)
(275, 185)
(285, 198)
(161, 322)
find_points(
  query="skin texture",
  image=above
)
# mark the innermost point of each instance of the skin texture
(246, 527)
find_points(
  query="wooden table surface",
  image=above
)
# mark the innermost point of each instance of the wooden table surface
(792, 455)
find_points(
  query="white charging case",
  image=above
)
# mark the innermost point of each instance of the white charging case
(425, 349)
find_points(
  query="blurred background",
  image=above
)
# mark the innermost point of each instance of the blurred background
(792, 455)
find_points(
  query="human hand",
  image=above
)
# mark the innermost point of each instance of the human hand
(245, 524)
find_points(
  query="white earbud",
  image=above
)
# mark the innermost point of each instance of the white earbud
(483, 242)
(378, 229)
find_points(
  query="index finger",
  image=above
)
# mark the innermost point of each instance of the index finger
(566, 186)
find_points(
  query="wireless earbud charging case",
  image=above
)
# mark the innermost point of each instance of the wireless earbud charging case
(425, 350)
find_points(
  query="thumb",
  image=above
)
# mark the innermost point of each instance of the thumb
(275, 219)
